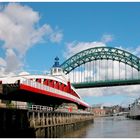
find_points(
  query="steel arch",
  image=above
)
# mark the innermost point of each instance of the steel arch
(101, 53)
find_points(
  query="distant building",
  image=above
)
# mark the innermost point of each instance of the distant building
(108, 110)
(116, 109)
(100, 110)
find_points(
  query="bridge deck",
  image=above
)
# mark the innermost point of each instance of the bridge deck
(106, 83)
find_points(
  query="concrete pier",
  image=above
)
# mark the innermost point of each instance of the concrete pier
(40, 123)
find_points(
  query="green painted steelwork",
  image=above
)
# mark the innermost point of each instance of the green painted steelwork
(106, 83)
(101, 53)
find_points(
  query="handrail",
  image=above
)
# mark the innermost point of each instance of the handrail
(39, 107)
(32, 107)
(46, 109)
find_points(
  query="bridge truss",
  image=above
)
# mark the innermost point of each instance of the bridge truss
(102, 66)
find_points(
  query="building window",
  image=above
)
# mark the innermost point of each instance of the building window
(55, 70)
(59, 70)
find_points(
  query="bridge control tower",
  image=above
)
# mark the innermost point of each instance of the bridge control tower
(56, 69)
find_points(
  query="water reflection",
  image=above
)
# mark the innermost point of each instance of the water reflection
(109, 127)
(81, 133)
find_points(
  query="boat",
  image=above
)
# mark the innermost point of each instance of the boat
(134, 112)
(45, 89)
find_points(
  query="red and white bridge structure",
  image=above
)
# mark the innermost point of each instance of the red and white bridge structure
(52, 89)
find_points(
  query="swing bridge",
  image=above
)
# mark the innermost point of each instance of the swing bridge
(102, 66)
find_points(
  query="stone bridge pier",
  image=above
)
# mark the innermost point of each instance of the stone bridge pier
(55, 124)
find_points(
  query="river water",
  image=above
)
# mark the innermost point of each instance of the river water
(109, 127)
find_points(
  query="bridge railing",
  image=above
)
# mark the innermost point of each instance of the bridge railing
(39, 107)
(47, 109)
(32, 107)
(52, 90)
(108, 80)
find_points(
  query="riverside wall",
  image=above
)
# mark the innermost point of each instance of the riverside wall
(23, 123)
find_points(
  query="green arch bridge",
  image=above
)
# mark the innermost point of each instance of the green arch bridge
(102, 66)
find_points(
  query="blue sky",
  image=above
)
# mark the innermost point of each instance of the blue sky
(86, 22)
(77, 22)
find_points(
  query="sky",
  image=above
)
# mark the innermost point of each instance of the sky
(32, 34)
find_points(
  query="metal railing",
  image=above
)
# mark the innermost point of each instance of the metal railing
(45, 108)
(39, 107)
(26, 107)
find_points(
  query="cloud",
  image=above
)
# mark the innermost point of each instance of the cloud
(129, 93)
(107, 38)
(2, 62)
(12, 62)
(56, 37)
(24, 73)
(20, 30)
(135, 51)
(131, 90)
(75, 47)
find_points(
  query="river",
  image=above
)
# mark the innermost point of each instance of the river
(109, 127)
